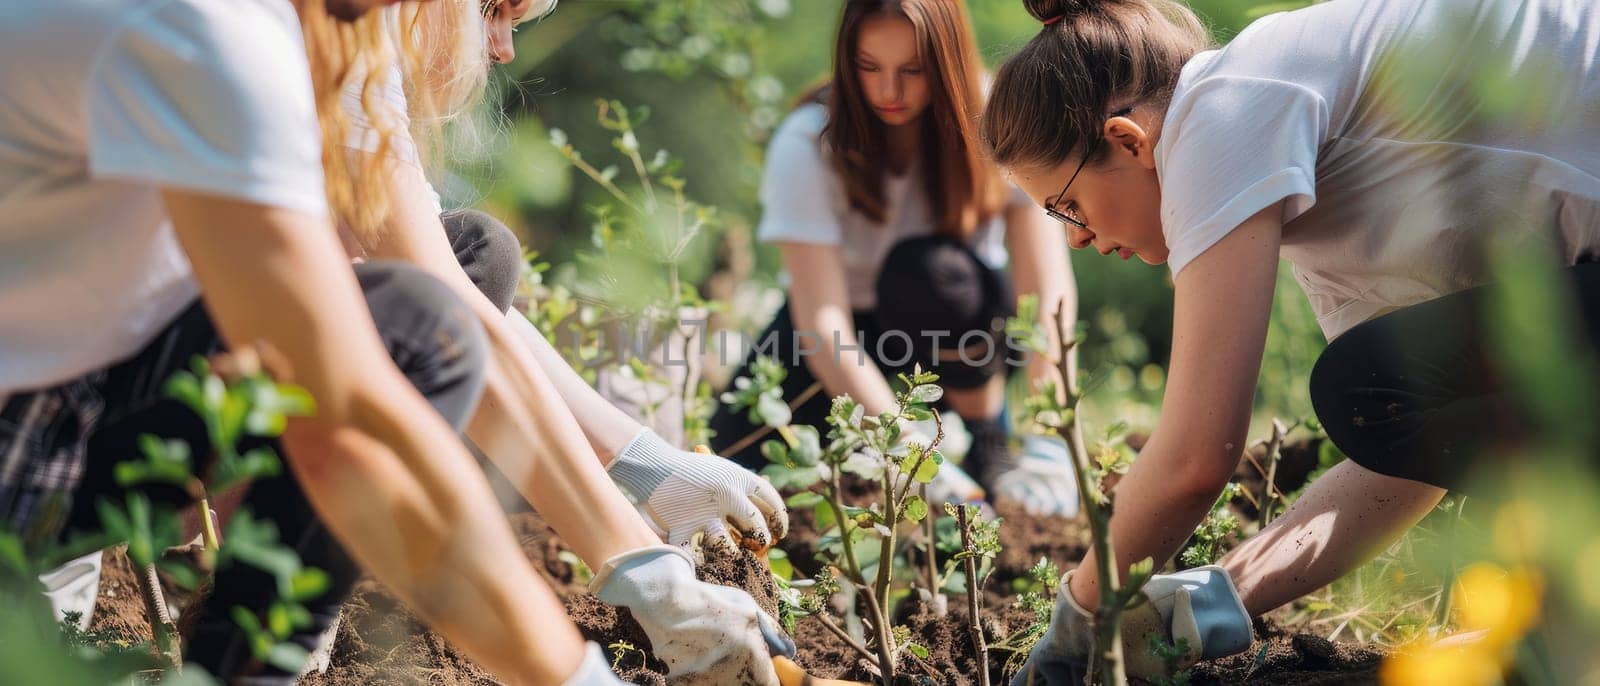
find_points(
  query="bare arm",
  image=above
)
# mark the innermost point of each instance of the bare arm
(523, 423)
(820, 306)
(1041, 265)
(380, 467)
(1224, 299)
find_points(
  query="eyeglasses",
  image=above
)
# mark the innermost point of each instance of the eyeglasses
(1050, 207)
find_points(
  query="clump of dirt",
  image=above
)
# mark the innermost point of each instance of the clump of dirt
(119, 608)
(1293, 659)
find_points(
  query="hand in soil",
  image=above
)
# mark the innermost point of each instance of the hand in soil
(1041, 481)
(705, 633)
(1198, 609)
(692, 496)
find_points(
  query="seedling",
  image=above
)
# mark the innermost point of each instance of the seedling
(868, 447)
(1057, 409)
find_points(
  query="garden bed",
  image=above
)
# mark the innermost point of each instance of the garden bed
(380, 642)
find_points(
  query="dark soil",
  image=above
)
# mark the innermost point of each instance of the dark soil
(380, 642)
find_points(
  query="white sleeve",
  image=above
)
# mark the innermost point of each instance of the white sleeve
(209, 97)
(390, 106)
(797, 199)
(1235, 146)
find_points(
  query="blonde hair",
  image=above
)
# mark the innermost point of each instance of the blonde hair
(444, 69)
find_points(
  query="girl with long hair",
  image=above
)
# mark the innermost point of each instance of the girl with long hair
(1366, 142)
(894, 232)
(553, 437)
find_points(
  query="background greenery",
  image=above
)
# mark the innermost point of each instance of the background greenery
(716, 77)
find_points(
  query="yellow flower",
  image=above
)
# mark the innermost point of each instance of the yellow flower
(1506, 603)
(1429, 664)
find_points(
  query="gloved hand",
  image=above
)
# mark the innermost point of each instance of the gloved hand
(594, 671)
(1198, 605)
(706, 633)
(1041, 480)
(683, 494)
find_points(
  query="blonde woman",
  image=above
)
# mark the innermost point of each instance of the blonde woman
(166, 198)
(547, 430)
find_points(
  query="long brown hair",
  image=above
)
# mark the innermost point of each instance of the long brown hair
(1052, 97)
(963, 187)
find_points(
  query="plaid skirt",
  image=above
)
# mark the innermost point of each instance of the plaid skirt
(44, 438)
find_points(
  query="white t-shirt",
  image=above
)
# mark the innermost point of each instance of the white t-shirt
(804, 201)
(1403, 135)
(102, 104)
(392, 107)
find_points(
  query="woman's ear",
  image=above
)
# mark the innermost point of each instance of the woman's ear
(1128, 136)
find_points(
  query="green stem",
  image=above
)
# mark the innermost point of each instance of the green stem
(1108, 616)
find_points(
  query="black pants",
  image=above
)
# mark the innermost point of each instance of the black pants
(933, 294)
(1416, 394)
(488, 251)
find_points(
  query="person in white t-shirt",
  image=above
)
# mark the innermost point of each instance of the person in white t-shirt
(537, 412)
(164, 197)
(895, 232)
(1383, 148)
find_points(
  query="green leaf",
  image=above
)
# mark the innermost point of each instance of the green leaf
(926, 393)
(784, 477)
(12, 557)
(917, 650)
(919, 414)
(776, 452)
(804, 500)
(929, 468)
(308, 583)
(780, 564)
(288, 657)
(916, 508)
(808, 449)
(278, 622)
(772, 410)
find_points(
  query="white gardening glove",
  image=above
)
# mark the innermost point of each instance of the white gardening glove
(594, 671)
(683, 494)
(1200, 606)
(706, 633)
(1042, 481)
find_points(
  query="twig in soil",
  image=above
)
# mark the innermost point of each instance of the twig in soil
(1269, 499)
(974, 623)
(828, 624)
(161, 625)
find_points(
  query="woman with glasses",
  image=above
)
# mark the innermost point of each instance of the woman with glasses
(894, 232)
(1384, 148)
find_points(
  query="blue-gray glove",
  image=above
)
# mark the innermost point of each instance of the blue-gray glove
(1199, 606)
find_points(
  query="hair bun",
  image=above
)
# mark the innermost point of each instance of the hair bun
(1044, 10)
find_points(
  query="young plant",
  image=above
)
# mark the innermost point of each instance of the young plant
(1057, 409)
(641, 241)
(1214, 530)
(236, 402)
(977, 541)
(869, 447)
(1037, 595)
